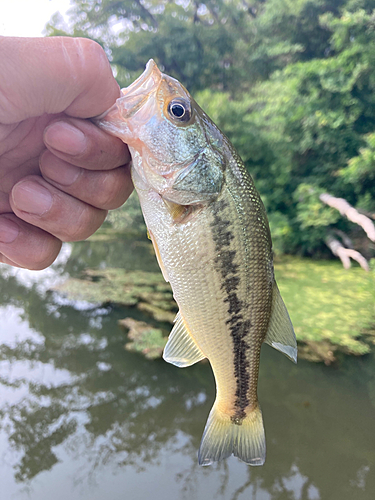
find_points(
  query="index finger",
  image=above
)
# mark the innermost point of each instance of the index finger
(52, 75)
(83, 144)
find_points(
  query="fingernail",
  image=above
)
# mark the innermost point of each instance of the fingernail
(31, 197)
(65, 138)
(8, 230)
(59, 170)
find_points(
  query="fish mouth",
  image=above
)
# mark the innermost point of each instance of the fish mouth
(147, 82)
(132, 102)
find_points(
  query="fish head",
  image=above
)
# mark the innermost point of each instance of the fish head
(176, 149)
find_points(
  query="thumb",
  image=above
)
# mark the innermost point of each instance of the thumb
(54, 75)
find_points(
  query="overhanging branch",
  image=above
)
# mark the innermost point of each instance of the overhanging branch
(345, 254)
(350, 213)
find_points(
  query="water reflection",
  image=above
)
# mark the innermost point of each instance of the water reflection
(78, 409)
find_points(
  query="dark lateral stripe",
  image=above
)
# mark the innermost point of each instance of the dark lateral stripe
(238, 327)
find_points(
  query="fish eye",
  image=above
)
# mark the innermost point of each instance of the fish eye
(179, 110)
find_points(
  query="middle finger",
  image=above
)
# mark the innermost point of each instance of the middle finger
(102, 189)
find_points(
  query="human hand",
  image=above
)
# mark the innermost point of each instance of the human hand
(59, 173)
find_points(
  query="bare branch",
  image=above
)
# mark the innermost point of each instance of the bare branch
(344, 238)
(350, 212)
(368, 214)
(345, 254)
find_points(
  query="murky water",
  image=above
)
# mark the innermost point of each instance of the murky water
(83, 418)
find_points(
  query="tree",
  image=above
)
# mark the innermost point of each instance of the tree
(290, 82)
(301, 131)
(225, 44)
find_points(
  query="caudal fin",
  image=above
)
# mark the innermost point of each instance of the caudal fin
(222, 437)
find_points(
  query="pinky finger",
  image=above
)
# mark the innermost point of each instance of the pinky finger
(24, 245)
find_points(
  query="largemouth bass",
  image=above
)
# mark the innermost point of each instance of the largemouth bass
(212, 240)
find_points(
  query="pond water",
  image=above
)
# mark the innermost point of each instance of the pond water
(83, 418)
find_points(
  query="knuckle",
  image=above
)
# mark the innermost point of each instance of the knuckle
(87, 48)
(92, 47)
(46, 254)
(108, 197)
(87, 220)
(93, 51)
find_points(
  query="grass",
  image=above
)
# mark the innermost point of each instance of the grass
(330, 307)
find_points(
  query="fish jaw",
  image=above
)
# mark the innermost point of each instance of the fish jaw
(134, 108)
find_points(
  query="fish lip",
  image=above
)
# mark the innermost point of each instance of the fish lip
(134, 86)
(136, 90)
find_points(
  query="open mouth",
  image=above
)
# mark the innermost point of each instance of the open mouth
(145, 83)
(133, 98)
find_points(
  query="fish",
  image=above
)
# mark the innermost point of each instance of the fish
(212, 240)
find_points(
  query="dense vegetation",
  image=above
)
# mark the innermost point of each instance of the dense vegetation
(291, 82)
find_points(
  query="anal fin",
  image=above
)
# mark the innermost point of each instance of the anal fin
(181, 349)
(280, 334)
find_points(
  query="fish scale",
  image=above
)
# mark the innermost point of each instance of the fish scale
(210, 233)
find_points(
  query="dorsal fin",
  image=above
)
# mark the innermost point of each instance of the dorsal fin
(181, 349)
(280, 334)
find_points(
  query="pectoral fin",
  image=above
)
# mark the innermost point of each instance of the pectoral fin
(181, 213)
(177, 211)
(280, 334)
(181, 349)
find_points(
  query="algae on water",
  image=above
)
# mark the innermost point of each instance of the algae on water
(144, 338)
(332, 309)
(145, 290)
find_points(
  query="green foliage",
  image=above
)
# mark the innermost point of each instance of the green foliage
(226, 44)
(310, 210)
(144, 338)
(311, 213)
(281, 232)
(360, 174)
(291, 82)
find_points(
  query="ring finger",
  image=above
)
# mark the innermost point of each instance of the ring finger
(39, 203)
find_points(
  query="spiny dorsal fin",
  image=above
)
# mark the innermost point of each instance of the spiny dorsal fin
(280, 334)
(181, 349)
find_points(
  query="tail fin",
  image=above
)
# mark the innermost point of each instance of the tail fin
(222, 437)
